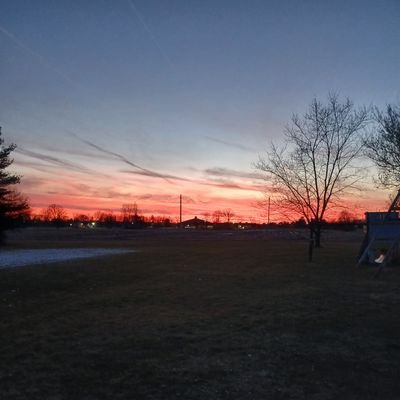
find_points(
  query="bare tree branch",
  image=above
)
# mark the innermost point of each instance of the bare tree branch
(383, 147)
(316, 163)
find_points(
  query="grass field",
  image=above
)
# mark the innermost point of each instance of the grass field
(199, 316)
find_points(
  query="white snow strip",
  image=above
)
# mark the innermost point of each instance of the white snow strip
(18, 258)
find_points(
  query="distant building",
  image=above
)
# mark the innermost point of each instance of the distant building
(195, 223)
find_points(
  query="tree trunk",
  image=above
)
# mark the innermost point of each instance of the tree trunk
(317, 231)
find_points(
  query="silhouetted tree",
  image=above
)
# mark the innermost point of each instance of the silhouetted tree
(300, 223)
(106, 219)
(346, 217)
(228, 214)
(316, 165)
(12, 204)
(98, 215)
(55, 214)
(81, 218)
(217, 215)
(383, 147)
(129, 212)
(206, 215)
(130, 215)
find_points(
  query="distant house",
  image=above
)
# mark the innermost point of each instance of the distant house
(195, 223)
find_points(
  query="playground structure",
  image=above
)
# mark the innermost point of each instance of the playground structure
(383, 232)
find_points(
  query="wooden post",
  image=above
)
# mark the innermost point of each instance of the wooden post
(180, 210)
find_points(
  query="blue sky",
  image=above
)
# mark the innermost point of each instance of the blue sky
(112, 102)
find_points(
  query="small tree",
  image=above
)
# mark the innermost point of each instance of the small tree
(346, 217)
(107, 219)
(383, 147)
(81, 218)
(217, 214)
(55, 214)
(129, 213)
(316, 165)
(228, 214)
(206, 215)
(12, 204)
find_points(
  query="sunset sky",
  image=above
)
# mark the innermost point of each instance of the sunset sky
(114, 102)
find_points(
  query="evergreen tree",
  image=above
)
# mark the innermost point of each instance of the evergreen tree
(12, 204)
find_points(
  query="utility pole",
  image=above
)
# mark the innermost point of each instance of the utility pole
(180, 210)
(269, 207)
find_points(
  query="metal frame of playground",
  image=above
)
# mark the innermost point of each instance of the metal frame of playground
(383, 232)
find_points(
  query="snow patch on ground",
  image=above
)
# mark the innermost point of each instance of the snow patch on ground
(18, 258)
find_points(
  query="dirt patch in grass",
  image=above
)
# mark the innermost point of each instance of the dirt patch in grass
(197, 317)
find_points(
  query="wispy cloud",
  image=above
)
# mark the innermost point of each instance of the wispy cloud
(225, 184)
(120, 157)
(226, 172)
(32, 182)
(53, 160)
(77, 152)
(166, 198)
(34, 165)
(232, 144)
(151, 173)
(216, 177)
(234, 179)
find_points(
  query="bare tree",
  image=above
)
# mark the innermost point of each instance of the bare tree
(383, 147)
(55, 213)
(346, 217)
(81, 218)
(206, 215)
(217, 214)
(129, 212)
(315, 166)
(228, 214)
(105, 218)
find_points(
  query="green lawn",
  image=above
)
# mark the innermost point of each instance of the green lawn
(187, 317)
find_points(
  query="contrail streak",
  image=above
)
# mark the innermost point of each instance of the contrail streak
(36, 55)
(144, 171)
(151, 34)
(53, 160)
(122, 158)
